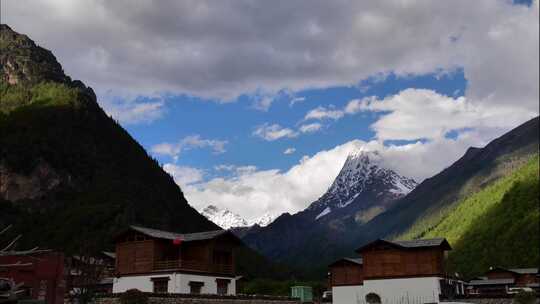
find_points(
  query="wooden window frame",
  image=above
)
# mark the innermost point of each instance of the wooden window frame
(223, 283)
(160, 280)
(195, 287)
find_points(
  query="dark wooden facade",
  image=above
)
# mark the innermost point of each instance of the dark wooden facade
(345, 273)
(137, 253)
(382, 259)
(390, 262)
(521, 279)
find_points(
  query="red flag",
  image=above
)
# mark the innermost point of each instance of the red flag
(177, 242)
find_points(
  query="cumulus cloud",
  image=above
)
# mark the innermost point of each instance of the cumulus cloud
(321, 113)
(310, 128)
(404, 118)
(254, 192)
(273, 191)
(187, 143)
(131, 111)
(289, 151)
(424, 114)
(273, 132)
(183, 175)
(296, 100)
(225, 49)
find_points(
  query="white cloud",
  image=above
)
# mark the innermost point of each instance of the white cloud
(296, 100)
(254, 192)
(289, 151)
(182, 175)
(130, 111)
(310, 128)
(273, 132)
(258, 191)
(321, 113)
(188, 143)
(263, 103)
(424, 114)
(226, 49)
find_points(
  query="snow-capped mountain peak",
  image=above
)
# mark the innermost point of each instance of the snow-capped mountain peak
(227, 219)
(223, 217)
(263, 220)
(362, 176)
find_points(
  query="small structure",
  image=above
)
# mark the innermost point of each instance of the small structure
(304, 293)
(498, 281)
(394, 272)
(90, 273)
(159, 261)
(38, 274)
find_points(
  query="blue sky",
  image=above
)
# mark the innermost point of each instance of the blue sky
(235, 122)
(207, 86)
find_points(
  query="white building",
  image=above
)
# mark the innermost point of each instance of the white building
(400, 272)
(166, 262)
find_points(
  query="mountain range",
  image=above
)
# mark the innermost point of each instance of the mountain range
(363, 189)
(367, 201)
(229, 220)
(71, 176)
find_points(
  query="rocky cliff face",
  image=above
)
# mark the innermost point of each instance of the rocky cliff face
(22, 61)
(40, 181)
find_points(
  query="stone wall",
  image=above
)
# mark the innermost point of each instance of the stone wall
(497, 300)
(202, 299)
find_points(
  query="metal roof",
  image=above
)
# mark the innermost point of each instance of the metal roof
(112, 255)
(186, 237)
(358, 261)
(524, 270)
(420, 243)
(492, 282)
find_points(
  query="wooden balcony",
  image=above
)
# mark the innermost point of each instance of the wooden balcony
(193, 266)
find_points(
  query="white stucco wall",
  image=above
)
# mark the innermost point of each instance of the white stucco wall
(178, 283)
(391, 291)
(346, 294)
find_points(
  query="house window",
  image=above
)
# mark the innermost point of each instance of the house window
(222, 286)
(195, 287)
(161, 285)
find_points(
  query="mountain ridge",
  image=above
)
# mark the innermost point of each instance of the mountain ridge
(362, 189)
(64, 161)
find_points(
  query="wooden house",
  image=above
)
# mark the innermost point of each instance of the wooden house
(167, 262)
(395, 271)
(346, 272)
(498, 280)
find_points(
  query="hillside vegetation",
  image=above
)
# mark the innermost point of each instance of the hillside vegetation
(497, 226)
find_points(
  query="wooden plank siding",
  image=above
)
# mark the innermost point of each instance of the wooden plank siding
(344, 274)
(137, 253)
(382, 263)
(135, 257)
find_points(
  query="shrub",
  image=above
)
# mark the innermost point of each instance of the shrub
(525, 297)
(134, 296)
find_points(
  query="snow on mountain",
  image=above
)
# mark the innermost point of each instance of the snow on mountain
(227, 219)
(223, 217)
(263, 221)
(362, 172)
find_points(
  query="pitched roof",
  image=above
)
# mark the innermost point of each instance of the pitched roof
(492, 282)
(524, 270)
(410, 244)
(516, 270)
(358, 261)
(185, 237)
(111, 255)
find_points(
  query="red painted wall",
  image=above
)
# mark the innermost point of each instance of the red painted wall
(44, 278)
